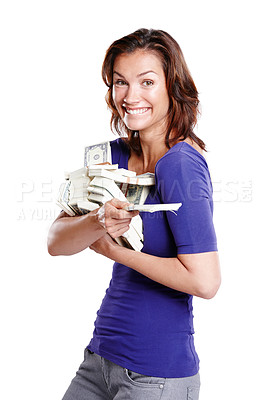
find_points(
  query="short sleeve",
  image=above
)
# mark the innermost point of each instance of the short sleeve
(180, 178)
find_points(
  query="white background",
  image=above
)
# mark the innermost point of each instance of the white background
(52, 105)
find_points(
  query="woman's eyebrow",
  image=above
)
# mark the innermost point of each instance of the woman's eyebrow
(147, 72)
(142, 73)
(115, 72)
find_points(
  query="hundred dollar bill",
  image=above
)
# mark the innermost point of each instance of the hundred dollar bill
(135, 194)
(154, 207)
(97, 154)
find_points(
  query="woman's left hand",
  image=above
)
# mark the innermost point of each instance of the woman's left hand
(104, 245)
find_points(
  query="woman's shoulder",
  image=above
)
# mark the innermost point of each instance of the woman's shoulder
(182, 155)
(184, 166)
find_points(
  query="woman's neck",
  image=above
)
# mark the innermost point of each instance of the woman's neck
(153, 148)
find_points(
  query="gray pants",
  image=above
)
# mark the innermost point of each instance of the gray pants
(100, 379)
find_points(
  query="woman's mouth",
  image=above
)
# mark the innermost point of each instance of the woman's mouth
(136, 111)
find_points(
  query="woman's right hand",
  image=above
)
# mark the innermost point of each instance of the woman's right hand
(70, 235)
(113, 217)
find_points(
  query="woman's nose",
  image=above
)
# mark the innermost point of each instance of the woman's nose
(132, 95)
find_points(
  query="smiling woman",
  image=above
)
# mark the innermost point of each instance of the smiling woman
(142, 345)
(139, 92)
(181, 90)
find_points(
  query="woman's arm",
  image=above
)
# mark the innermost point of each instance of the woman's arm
(70, 235)
(196, 274)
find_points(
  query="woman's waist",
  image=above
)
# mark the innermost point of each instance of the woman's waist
(135, 309)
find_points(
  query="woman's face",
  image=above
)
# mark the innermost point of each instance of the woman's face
(139, 91)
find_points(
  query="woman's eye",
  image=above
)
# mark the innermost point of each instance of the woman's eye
(120, 82)
(147, 83)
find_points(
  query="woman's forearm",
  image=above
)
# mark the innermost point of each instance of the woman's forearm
(70, 235)
(167, 271)
(202, 279)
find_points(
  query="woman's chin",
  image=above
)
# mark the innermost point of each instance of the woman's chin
(134, 126)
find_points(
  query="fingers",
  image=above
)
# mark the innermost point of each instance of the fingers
(114, 218)
(110, 222)
(116, 227)
(119, 232)
(117, 203)
(114, 210)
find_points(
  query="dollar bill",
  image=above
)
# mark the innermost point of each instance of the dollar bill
(135, 194)
(147, 179)
(154, 207)
(92, 186)
(63, 198)
(97, 154)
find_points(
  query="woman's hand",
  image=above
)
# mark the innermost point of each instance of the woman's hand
(104, 245)
(114, 218)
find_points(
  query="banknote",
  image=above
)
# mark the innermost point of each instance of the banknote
(154, 207)
(83, 192)
(97, 154)
(63, 198)
(92, 186)
(147, 179)
(135, 194)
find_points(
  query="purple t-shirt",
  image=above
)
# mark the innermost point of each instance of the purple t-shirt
(142, 325)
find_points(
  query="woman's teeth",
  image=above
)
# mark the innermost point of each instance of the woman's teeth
(137, 110)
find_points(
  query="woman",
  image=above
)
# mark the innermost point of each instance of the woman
(142, 345)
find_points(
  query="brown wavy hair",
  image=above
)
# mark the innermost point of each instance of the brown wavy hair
(184, 103)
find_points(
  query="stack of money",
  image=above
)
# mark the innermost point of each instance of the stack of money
(88, 188)
(74, 190)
